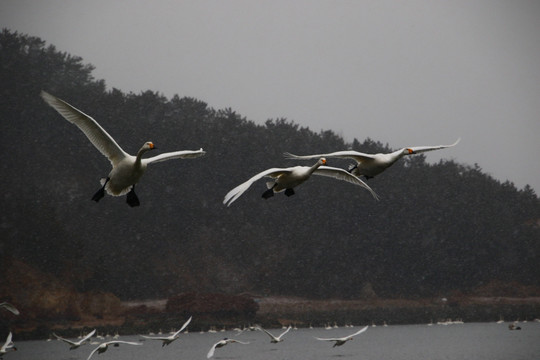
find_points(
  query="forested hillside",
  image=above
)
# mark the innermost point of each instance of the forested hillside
(437, 227)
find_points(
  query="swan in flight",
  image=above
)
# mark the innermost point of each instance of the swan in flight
(76, 344)
(9, 307)
(8, 346)
(126, 169)
(169, 339)
(343, 340)
(222, 343)
(370, 165)
(285, 179)
(275, 339)
(104, 346)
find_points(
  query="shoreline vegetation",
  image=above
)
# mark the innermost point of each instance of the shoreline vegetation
(142, 317)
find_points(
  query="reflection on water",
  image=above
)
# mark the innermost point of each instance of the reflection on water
(477, 341)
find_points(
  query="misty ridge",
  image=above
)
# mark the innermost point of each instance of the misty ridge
(437, 227)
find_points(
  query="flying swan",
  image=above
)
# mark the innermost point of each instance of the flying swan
(275, 339)
(343, 340)
(285, 179)
(76, 344)
(370, 165)
(104, 346)
(222, 343)
(126, 169)
(169, 339)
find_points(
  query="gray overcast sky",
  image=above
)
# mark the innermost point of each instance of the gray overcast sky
(405, 73)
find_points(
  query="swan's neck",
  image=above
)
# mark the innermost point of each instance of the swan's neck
(139, 156)
(314, 167)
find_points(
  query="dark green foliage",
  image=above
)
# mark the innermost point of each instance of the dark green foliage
(437, 227)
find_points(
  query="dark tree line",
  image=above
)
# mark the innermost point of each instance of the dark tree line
(438, 227)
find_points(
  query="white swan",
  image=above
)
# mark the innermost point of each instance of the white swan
(285, 179)
(104, 346)
(76, 344)
(222, 343)
(275, 339)
(169, 339)
(370, 165)
(8, 345)
(9, 307)
(126, 169)
(343, 340)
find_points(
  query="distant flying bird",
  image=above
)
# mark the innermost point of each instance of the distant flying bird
(222, 343)
(370, 165)
(169, 339)
(8, 346)
(343, 340)
(9, 307)
(76, 344)
(126, 169)
(275, 339)
(285, 179)
(104, 346)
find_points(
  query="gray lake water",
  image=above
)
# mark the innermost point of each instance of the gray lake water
(477, 341)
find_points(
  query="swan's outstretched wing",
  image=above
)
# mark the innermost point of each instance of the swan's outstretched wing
(156, 337)
(183, 327)
(90, 127)
(65, 340)
(421, 149)
(286, 331)
(358, 332)
(347, 154)
(88, 336)
(7, 343)
(212, 350)
(240, 189)
(268, 333)
(93, 351)
(9, 307)
(341, 174)
(182, 154)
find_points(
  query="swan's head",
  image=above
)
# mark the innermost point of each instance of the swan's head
(408, 151)
(322, 161)
(149, 145)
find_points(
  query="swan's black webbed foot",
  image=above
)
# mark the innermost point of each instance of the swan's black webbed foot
(132, 198)
(268, 194)
(101, 192)
(289, 192)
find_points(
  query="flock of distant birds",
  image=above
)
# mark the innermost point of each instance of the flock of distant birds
(128, 169)
(9, 346)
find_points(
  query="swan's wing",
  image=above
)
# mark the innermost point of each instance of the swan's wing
(90, 334)
(93, 351)
(328, 339)
(240, 189)
(182, 154)
(212, 350)
(237, 341)
(267, 332)
(10, 308)
(347, 154)
(123, 342)
(156, 337)
(286, 331)
(421, 149)
(65, 340)
(358, 332)
(8, 341)
(341, 174)
(93, 131)
(183, 327)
